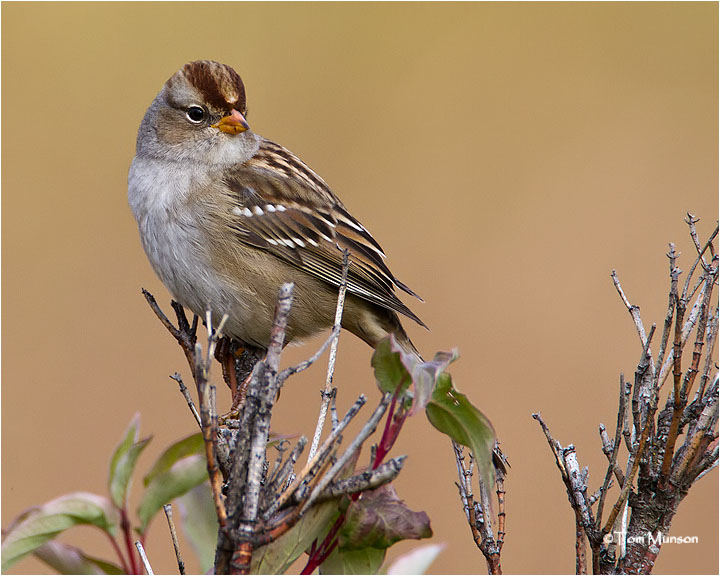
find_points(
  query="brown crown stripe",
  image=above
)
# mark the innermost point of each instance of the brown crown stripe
(220, 85)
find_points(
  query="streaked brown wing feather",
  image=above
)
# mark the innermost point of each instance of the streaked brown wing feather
(280, 205)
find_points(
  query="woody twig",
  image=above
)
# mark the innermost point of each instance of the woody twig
(257, 502)
(479, 512)
(668, 450)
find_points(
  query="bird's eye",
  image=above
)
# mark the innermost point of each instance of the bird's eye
(196, 114)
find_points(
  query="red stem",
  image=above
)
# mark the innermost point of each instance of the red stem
(381, 450)
(325, 553)
(125, 525)
(319, 554)
(393, 425)
(119, 553)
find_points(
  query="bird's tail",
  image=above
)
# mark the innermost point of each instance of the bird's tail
(392, 325)
(374, 324)
(405, 343)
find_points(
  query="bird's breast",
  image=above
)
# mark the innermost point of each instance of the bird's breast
(171, 232)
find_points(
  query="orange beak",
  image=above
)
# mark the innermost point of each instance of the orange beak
(232, 124)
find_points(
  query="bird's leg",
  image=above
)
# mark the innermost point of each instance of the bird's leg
(245, 357)
(224, 355)
(237, 360)
(239, 398)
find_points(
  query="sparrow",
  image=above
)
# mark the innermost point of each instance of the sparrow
(226, 217)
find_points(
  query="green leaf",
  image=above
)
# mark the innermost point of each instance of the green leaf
(182, 476)
(379, 519)
(363, 561)
(395, 367)
(424, 374)
(417, 561)
(200, 524)
(123, 463)
(453, 414)
(389, 370)
(38, 525)
(193, 444)
(276, 557)
(70, 560)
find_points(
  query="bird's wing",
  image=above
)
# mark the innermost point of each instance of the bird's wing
(280, 205)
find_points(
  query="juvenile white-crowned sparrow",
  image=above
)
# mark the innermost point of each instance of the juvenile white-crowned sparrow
(226, 216)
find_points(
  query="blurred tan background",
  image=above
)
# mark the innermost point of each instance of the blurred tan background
(507, 156)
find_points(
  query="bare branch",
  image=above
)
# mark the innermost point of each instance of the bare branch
(304, 365)
(712, 332)
(612, 452)
(689, 379)
(259, 502)
(701, 251)
(188, 398)
(333, 355)
(312, 467)
(685, 334)
(261, 429)
(184, 334)
(704, 425)
(144, 558)
(173, 535)
(478, 513)
(578, 487)
(208, 418)
(634, 310)
(279, 480)
(672, 294)
(366, 430)
(633, 463)
(657, 475)
(500, 492)
(368, 480)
